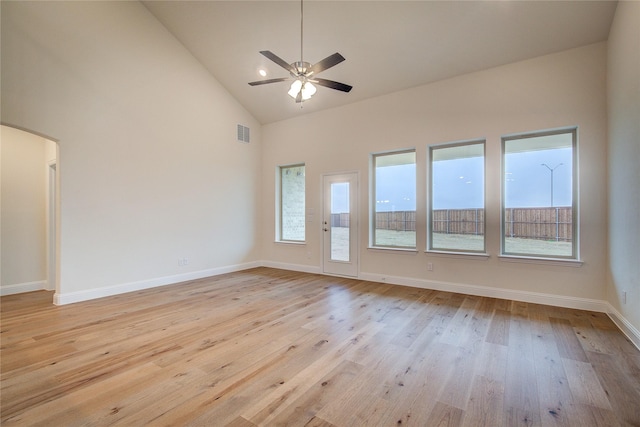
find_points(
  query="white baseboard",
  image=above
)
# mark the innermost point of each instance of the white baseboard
(71, 297)
(19, 288)
(292, 267)
(625, 326)
(485, 291)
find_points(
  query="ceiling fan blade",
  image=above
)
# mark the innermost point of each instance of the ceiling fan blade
(327, 62)
(264, 82)
(281, 62)
(333, 85)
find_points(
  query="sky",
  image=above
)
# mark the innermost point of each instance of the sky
(528, 183)
(458, 184)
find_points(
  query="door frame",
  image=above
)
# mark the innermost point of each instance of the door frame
(52, 224)
(350, 268)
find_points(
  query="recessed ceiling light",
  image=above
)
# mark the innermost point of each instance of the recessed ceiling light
(262, 72)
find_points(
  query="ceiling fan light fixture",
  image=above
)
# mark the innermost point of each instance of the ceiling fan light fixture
(295, 88)
(306, 89)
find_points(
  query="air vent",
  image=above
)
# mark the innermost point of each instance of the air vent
(243, 134)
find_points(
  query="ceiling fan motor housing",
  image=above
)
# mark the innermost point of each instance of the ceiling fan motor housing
(302, 67)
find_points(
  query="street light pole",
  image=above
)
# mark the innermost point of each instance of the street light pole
(551, 169)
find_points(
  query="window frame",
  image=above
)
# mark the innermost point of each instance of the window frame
(430, 182)
(372, 198)
(575, 229)
(280, 200)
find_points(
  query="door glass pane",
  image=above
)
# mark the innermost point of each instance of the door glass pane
(340, 221)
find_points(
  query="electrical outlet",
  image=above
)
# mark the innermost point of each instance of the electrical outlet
(430, 266)
(183, 261)
(624, 297)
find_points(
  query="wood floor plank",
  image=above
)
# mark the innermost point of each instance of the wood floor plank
(499, 329)
(107, 398)
(585, 385)
(267, 347)
(416, 402)
(615, 382)
(491, 361)
(319, 422)
(459, 327)
(485, 404)
(444, 415)
(407, 335)
(521, 391)
(241, 422)
(568, 344)
(551, 380)
(227, 380)
(305, 408)
(273, 403)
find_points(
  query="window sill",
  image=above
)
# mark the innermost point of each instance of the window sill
(547, 261)
(465, 255)
(395, 250)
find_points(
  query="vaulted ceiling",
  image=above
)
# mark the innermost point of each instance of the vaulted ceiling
(388, 45)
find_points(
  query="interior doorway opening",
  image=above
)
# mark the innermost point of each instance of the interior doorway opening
(30, 206)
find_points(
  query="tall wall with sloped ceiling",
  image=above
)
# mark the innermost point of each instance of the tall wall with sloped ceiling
(560, 90)
(623, 156)
(154, 187)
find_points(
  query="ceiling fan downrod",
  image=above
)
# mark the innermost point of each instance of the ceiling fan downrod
(301, 31)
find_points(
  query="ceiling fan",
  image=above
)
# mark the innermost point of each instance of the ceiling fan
(302, 73)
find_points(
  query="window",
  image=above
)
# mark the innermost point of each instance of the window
(456, 213)
(394, 204)
(539, 194)
(292, 199)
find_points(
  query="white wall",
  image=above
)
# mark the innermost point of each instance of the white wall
(23, 195)
(564, 89)
(624, 158)
(150, 171)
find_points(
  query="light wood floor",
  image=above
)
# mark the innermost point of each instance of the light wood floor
(270, 347)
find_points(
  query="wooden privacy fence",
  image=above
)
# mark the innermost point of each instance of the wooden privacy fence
(539, 223)
(458, 221)
(527, 223)
(340, 220)
(398, 221)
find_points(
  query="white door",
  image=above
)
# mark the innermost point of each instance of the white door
(340, 224)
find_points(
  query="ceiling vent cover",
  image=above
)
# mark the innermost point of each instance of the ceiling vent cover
(243, 134)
